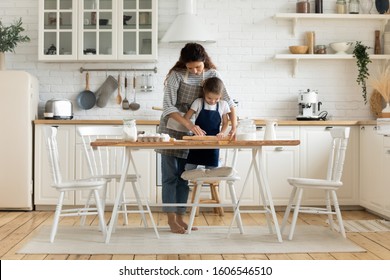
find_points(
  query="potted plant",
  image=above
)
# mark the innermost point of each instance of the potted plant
(362, 61)
(10, 36)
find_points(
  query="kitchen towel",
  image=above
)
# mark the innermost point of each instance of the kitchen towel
(206, 240)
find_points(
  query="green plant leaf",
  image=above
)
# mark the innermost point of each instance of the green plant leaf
(362, 61)
(10, 36)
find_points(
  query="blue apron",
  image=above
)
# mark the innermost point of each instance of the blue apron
(209, 121)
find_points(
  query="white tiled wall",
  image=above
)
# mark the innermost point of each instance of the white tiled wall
(247, 39)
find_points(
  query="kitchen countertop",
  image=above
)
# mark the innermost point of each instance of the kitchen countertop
(258, 122)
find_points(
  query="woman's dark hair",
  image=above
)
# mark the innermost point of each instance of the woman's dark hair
(190, 53)
(214, 85)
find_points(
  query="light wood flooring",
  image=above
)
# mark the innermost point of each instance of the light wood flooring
(17, 227)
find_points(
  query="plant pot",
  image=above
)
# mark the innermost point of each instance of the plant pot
(386, 111)
(2, 61)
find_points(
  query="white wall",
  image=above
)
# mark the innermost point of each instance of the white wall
(248, 38)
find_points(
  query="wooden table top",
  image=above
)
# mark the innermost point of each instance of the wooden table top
(192, 144)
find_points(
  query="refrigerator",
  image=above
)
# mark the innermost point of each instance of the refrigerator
(19, 94)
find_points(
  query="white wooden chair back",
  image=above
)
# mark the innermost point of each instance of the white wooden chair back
(102, 161)
(337, 155)
(53, 155)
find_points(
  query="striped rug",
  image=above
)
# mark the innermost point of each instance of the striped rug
(365, 225)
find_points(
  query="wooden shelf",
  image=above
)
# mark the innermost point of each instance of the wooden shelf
(295, 17)
(297, 57)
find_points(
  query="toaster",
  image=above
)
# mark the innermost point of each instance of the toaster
(62, 109)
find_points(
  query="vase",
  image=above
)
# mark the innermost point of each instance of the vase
(366, 6)
(386, 111)
(2, 61)
(382, 6)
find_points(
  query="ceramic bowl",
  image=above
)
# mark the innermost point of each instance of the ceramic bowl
(341, 47)
(298, 49)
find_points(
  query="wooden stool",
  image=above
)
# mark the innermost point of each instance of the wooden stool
(214, 198)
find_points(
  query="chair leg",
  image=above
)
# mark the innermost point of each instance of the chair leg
(100, 211)
(338, 213)
(57, 217)
(193, 198)
(139, 202)
(329, 209)
(237, 214)
(193, 209)
(295, 215)
(288, 209)
(124, 209)
(215, 196)
(86, 206)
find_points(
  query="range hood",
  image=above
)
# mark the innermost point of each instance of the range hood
(187, 27)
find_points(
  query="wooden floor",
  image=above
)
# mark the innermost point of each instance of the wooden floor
(17, 227)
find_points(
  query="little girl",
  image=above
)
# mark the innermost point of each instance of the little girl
(210, 112)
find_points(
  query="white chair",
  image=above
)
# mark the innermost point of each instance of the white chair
(200, 177)
(93, 185)
(329, 185)
(107, 163)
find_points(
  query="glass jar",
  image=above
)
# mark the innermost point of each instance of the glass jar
(320, 49)
(354, 6)
(129, 130)
(246, 130)
(303, 6)
(341, 7)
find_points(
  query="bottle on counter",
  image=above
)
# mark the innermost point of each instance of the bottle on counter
(303, 6)
(129, 130)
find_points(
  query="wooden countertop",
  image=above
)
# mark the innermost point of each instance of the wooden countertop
(258, 122)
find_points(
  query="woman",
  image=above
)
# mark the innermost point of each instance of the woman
(182, 86)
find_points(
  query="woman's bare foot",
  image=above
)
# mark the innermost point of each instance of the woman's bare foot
(174, 225)
(180, 221)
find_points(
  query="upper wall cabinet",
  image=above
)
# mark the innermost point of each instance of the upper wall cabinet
(98, 30)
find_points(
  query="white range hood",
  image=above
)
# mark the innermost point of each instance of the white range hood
(187, 27)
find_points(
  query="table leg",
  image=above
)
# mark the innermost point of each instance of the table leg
(118, 199)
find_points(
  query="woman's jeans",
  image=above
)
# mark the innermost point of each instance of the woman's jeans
(174, 188)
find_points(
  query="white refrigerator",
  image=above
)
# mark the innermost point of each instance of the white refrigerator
(19, 94)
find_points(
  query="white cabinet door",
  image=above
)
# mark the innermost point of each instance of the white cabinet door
(57, 30)
(315, 146)
(44, 194)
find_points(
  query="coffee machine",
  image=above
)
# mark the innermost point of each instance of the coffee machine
(308, 104)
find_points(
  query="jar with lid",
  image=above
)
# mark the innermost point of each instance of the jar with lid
(130, 130)
(303, 6)
(354, 6)
(246, 130)
(341, 7)
(320, 49)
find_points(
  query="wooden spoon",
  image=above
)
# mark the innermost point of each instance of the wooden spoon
(119, 97)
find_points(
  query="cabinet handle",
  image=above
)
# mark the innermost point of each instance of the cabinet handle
(278, 149)
(328, 127)
(259, 127)
(363, 128)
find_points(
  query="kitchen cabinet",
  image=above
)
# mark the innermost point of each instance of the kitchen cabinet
(74, 166)
(315, 146)
(374, 170)
(296, 18)
(98, 30)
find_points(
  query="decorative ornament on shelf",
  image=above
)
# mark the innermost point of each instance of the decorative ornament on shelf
(382, 6)
(366, 6)
(362, 61)
(380, 83)
(9, 38)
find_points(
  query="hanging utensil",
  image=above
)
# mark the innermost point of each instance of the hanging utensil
(134, 105)
(125, 102)
(119, 97)
(86, 99)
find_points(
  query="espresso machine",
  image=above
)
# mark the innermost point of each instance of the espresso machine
(309, 106)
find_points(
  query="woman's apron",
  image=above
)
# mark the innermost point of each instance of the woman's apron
(210, 122)
(186, 94)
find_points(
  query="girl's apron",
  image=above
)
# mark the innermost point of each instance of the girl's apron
(210, 122)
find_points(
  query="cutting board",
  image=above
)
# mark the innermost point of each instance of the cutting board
(205, 138)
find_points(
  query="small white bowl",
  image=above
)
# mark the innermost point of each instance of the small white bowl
(341, 47)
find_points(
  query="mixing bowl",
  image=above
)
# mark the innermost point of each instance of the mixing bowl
(298, 49)
(341, 47)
